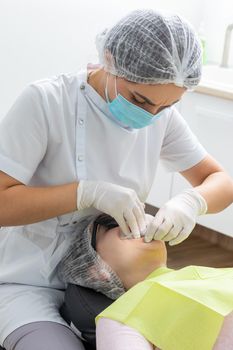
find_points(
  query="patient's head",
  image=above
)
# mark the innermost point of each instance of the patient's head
(132, 259)
(100, 259)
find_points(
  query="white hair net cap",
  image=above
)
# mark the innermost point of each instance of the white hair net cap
(152, 47)
(83, 266)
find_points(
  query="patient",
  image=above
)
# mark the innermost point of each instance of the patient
(100, 259)
(131, 259)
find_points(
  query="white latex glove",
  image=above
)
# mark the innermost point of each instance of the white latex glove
(149, 218)
(176, 219)
(120, 202)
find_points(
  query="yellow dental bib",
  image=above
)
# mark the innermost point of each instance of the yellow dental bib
(177, 309)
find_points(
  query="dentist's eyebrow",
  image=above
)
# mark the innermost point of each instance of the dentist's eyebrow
(145, 98)
(150, 102)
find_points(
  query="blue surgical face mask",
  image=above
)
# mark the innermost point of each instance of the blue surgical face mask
(128, 113)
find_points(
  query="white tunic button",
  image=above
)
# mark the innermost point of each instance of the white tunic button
(82, 86)
(81, 121)
(80, 157)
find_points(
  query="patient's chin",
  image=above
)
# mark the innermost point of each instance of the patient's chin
(154, 244)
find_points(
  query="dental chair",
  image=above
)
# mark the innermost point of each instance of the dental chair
(86, 347)
(81, 306)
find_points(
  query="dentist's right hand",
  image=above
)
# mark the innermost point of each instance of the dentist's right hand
(120, 202)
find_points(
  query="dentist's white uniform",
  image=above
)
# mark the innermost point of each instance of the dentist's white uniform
(58, 131)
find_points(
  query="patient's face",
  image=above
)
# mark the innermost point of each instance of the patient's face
(131, 259)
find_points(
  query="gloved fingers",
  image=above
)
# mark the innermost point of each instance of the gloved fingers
(153, 226)
(184, 233)
(131, 220)
(140, 205)
(180, 238)
(149, 218)
(128, 225)
(141, 218)
(173, 233)
(163, 229)
(142, 208)
(124, 228)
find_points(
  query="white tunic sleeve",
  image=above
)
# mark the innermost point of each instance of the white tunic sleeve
(180, 149)
(23, 135)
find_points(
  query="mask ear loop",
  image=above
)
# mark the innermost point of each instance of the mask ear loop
(115, 85)
(106, 88)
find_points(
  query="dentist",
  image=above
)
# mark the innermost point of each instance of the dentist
(81, 143)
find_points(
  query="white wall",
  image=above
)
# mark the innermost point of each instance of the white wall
(40, 38)
(217, 15)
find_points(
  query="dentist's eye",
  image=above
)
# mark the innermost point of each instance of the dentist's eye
(134, 100)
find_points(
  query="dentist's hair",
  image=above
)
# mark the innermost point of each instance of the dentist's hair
(152, 47)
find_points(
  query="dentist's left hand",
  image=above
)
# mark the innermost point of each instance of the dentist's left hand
(177, 218)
